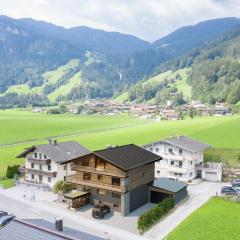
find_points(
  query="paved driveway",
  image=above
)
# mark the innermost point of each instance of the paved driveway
(198, 195)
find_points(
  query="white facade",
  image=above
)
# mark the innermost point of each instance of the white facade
(177, 163)
(42, 170)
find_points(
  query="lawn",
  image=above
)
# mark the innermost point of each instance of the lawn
(17, 126)
(95, 132)
(7, 183)
(228, 155)
(215, 220)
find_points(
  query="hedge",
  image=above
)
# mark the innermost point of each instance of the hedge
(12, 171)
(147, 219)
(63, 186)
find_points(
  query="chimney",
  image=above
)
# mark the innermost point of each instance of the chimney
(59, 224)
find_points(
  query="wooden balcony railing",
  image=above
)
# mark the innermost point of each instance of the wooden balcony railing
(39, 161)
(96, 184)
(109, 172)
(38, 172)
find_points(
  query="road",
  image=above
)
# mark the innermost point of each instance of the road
(41, 211)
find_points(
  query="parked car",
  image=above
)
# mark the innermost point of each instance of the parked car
(100, 210)
(228, 190)
(2, 214)
(6, 219)
(236, 182)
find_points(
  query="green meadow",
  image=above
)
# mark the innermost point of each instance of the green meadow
(215, 220)
(95, 131)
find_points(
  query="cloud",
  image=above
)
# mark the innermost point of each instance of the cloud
(147, 19)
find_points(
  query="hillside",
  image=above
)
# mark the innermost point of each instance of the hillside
(169, 85)
(214, 75)
(42, 63)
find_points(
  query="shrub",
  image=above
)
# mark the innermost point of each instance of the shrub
(63, 186)
(12, 171)
(147, 219)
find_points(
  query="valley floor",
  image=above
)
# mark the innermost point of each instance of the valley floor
(96, 131)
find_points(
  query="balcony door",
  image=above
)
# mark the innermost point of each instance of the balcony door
(40, 178)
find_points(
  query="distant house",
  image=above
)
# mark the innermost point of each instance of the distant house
(182, 158)
(72, 109)
(117, 176)
(42, 164)
(170, 114)
(219, 109)
(37, 110)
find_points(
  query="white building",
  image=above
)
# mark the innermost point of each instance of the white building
(182, 158)
(42, 165)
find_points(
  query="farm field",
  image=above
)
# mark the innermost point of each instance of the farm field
(217, 219)
(95, 131)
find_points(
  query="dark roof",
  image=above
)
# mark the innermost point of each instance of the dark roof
(61, 151)
(128, 156)
(40, 230)
(184, 142)
(169, 184)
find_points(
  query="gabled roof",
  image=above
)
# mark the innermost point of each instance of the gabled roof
(184, 142)
(128, 156)
(25, 230)
(62, 151)
(169, 185)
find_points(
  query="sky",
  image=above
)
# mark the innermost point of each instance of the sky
(146, 19)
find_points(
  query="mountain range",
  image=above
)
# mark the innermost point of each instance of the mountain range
(42, 61)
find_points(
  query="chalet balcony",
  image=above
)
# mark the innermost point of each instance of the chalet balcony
(98, 170)
(39, 161)
(38, 172)
(177, 157)
(96, 184)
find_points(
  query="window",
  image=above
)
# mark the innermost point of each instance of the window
(190, 174)
(40, 167)
(101, 192)
(116, 195)
(191, 162)
(49, 179)
(115, 205)
(100, 164)
(40, 155)
(64, 178)
(170, 150)
(157, 149)
(49, 167)
(85, 162)
(45, 156)
(116, 181)
(158, 172)
(32, 165)
(172, 162)
(175, 174)
(100, 177)
(150, 149)
(32, 176)
(87, 176)
(35, 155)
(180, 151)
(65, 167)
(143, 174)
(180, 163)
(180, 174)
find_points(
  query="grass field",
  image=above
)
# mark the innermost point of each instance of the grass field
(7, 183)
(96, 131)
(218, 219)
(228, 155)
